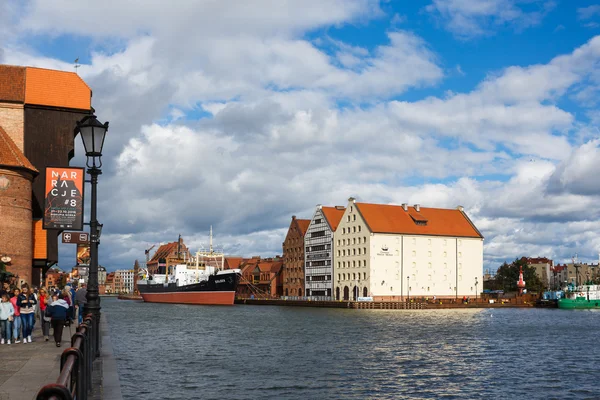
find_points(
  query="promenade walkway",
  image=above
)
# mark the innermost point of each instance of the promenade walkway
(25, 368)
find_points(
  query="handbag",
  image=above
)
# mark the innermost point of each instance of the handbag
(47, 312)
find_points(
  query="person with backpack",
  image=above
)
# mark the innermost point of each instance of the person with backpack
(59, 314)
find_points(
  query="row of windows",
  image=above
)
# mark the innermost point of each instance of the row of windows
(351, 229)
(445, 242)
(318, 278)
(343, 277)
(361, 263)
(353, 217)
(342, 253)
(318, 248)
(343, 242)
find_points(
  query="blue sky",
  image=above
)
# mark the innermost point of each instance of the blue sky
(240, 116)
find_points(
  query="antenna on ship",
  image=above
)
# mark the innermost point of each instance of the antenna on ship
(211, 248)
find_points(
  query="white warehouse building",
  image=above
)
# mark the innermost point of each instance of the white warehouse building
(391, 253)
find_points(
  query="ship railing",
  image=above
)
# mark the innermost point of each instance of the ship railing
(75, 379)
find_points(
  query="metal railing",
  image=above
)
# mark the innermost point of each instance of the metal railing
(75, 379)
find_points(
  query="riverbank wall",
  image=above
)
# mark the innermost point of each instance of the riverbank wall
(383, 305)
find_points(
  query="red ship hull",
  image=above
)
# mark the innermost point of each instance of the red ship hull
(203, 297)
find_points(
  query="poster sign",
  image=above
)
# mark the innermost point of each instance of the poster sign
(63, 208)
(76, 237)
(83, 254)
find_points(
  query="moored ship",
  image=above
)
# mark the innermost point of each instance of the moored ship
(583, 297)
(189, 284)
(198, 279)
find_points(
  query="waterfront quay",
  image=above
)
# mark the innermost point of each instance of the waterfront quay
(390, 305)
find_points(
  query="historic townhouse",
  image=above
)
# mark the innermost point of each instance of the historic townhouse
(293, 258)
(318, 256)
(390, 252)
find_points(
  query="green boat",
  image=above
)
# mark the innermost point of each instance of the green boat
(584, 297)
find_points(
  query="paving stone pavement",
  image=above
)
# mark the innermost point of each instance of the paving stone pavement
(26, 367)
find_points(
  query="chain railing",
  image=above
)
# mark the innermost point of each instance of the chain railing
(75, 379)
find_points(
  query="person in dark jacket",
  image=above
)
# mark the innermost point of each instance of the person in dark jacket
(59, 311)
(26, 302)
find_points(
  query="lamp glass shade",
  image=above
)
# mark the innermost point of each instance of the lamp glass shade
(93, 134)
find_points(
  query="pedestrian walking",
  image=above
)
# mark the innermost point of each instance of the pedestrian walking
(16, 325)
(81, 301)
(44, 300)
(58, 311)
(7, 313)
(26, 302)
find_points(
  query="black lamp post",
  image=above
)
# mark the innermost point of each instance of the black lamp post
(92, 134)
(476, 290)
(408, 287)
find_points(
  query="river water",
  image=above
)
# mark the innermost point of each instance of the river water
(266, 352)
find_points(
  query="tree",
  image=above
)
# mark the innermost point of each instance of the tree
(508, 276)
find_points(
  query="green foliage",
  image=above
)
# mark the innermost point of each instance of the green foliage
(508, 276)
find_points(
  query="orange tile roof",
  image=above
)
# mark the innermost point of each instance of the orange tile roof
(382, 218)
(49, 87)
(40, 247)
(164, 251)
(333, 216)
(303, 225)
(233, 262)
(11, 156)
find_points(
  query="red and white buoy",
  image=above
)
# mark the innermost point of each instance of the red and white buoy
(521, 283)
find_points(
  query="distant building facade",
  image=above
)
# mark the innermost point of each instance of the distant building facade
(543, 269)
(261, 278)
(293, 258)
(318, 252)
(123, 281)
(168, 255)
(389, 252)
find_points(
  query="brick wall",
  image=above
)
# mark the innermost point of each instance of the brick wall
(16, 235)
(12, 83)
(11, 120)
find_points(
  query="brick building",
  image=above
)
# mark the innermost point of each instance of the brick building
(167, 255)
(261, 278)
(293, 258)
(38, 113)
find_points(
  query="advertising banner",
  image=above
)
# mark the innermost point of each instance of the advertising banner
(63, 205)
(83, 254)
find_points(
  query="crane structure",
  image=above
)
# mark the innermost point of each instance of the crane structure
(147, 251)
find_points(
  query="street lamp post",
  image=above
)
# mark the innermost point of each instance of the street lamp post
(476, 290)
(93, 133)
(408, 287)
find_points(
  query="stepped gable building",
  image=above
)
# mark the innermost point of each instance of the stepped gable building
(38, 113)
(167, 255)
(293, 258)
(318, 249)
(390, 252)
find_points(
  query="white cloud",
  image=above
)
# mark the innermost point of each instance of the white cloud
(589, 12)
(471, 18)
